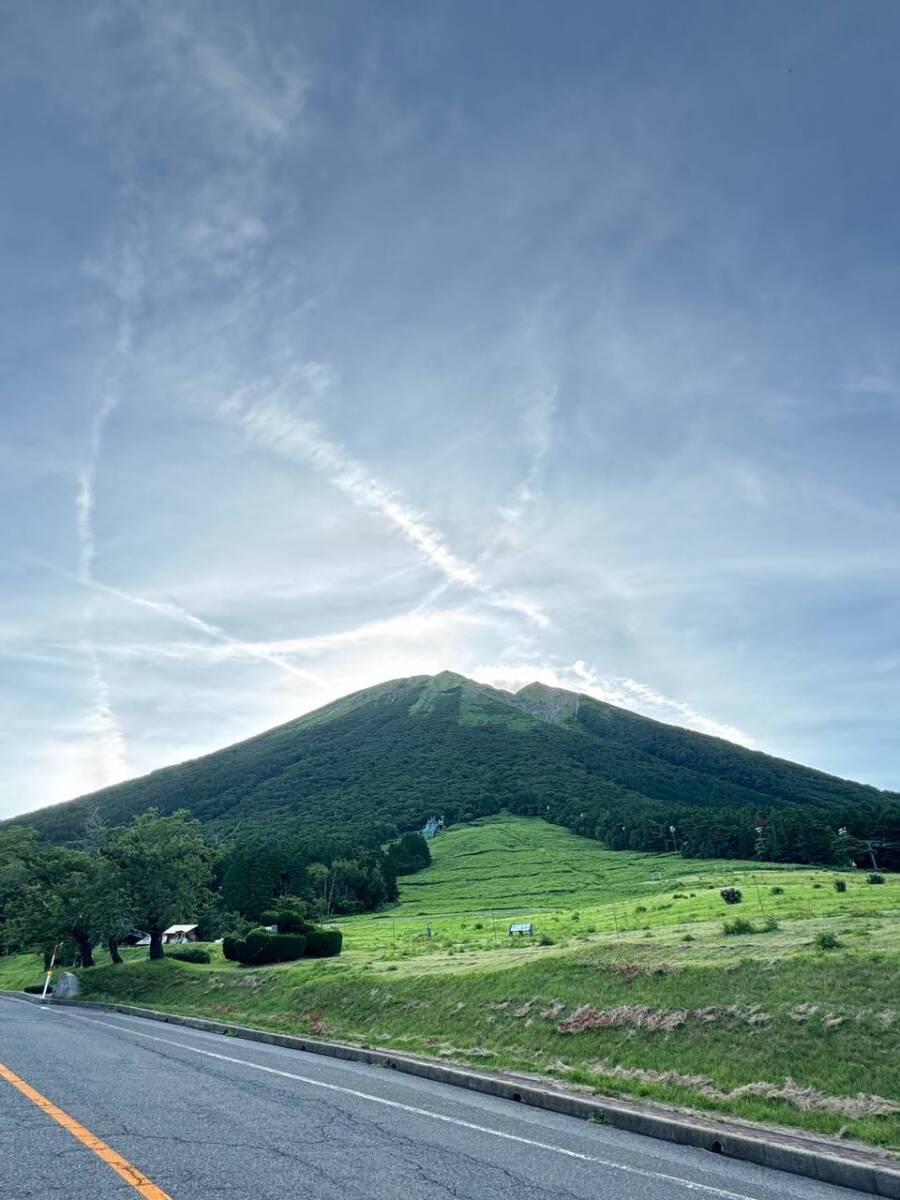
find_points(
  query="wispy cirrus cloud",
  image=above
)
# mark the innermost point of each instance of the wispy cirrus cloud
(615, 689)
(271, 422)
(233, 646)
(411, 627)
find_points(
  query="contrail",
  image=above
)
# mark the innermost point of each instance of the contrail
(177, 613)
(101, 720)
(278, 428)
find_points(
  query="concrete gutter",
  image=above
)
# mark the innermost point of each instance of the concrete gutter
(823, 1159)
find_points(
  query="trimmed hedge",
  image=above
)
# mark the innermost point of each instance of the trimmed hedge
(323, 943)
(259, 947)
(288, 920)
(191, 954)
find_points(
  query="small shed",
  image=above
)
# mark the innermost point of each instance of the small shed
(525, 928)
(180, 933)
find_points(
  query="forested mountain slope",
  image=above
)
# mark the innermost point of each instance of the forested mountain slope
(389, 757)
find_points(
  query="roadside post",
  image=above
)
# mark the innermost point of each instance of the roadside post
(49, 973)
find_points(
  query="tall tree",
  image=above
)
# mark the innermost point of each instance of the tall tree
(163, 866)
(59, 899)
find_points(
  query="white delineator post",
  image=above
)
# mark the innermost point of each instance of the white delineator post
(49, 973)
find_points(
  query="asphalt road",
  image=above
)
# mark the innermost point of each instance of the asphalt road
(202, 1116)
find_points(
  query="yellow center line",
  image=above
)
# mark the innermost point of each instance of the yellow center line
(112, 1158)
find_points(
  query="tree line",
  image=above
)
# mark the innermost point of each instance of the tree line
(161, 869)
(788, 833)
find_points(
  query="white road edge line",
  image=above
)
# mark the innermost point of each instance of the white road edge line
(706, 1188)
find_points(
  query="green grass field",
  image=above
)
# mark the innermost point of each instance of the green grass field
(639, 990)
(502, 870)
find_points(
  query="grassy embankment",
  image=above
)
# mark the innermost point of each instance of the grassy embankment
(765, 1026)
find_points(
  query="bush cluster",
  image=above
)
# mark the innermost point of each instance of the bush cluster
(259, 947)
(191, 954)
(323, 943)
(738, 926)
(840, 885)
(741, 925)
(731, 895)
(827, 941)
(875, 877)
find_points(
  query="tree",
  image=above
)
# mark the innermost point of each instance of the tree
(17, 853)
(163, 866)
(60, 899)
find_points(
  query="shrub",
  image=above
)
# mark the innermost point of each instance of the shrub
(543, 940)
(35, 989)
(229, 945)
(770, 925)
(840, 885)
(260, 947)
(191, 954)
(738, 926)
(323, 943)
(777, 891)
(478, 925)
(731, 895)
(827, 941)
(688, 937)
(817, 885)
(874, 877)
(640, 908)
(287, 918)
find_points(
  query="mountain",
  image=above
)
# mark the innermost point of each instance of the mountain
(388, 757)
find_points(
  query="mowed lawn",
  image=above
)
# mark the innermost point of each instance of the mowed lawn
(629, 985)
(504, 870)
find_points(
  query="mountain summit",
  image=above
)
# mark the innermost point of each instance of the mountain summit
(390, 756)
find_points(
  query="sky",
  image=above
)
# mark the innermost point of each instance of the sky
(344, 342)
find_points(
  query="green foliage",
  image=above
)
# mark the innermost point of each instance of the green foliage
(740, 925)
(409, 854)
(191, 954)
(163, 866)
(382, 761)
(731, 895)
(826, 940)
(289, 914)
(323, 943)
(840, 885)
(776, 890)
(261, 948)
(874, 877)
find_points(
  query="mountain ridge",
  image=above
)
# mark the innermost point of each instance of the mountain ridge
(386, 757)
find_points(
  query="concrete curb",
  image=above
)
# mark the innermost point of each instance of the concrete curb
(816, 1158)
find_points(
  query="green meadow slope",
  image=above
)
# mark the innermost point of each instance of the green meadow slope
(629, 984)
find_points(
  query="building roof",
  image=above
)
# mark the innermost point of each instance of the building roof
(180, 929)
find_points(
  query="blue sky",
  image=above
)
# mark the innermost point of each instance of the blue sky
(344, 342)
